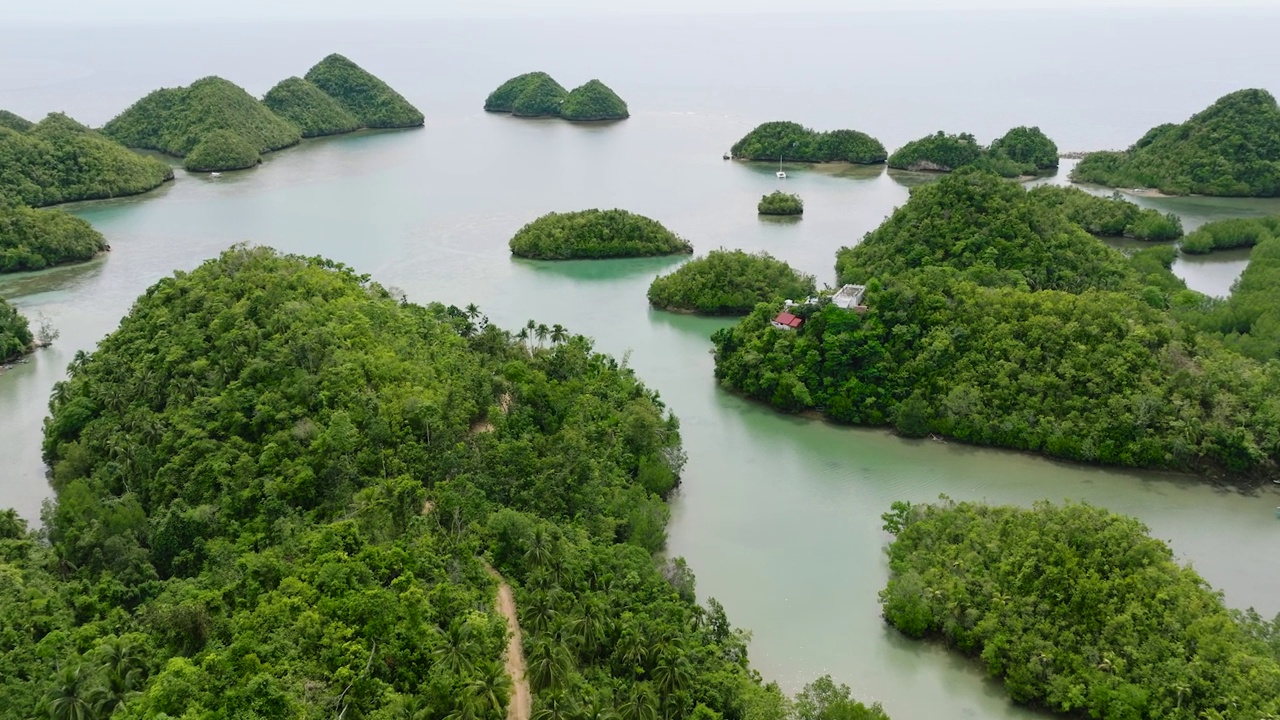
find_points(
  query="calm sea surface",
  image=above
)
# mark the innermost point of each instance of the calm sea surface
(779, 516)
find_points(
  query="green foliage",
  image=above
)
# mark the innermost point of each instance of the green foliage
(59, 160)
(1079, 610)
(1022, 151)
(1027, 146)
(1249, 320)
(780, 203)
(1231, 148)
(307, 106)
(994, 319)
(176, 120)
(796, 143)
(939, 152)
(36, 239)
(504, 98)
(1110, 217)
(593, 100)
(15, 340)
(541, 97)
(221, 150)
(14, 122)
(729, 282)
(369, 99)
(823, 699)
(595, 234)
(1229, 234)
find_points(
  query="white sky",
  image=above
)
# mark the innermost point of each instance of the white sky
(174, 10)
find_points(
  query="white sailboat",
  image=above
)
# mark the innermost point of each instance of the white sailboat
(781, 175)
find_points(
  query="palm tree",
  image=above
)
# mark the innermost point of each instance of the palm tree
(542, 331)
(558, 334)
(541, 548)
(531, 327)
(123, 669)
(456, 649)
(523, 335)
(539, 612)
(72, 695)
(672, 675)
(600, 707)
(492, 686)
(410, 707)
(554, 706)
(467, 706)
(640, 703)
(472, 311)
(549, 665)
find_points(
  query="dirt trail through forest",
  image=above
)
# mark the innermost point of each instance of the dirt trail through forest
(520, 706)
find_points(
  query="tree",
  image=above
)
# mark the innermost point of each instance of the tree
(72, 695)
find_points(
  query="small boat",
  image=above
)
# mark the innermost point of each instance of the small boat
(215, 174)
(781, 175)
(728, 156)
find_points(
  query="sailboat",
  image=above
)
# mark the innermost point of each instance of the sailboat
(781, 175)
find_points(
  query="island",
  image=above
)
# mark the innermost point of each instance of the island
(990, 317)
(1249, 320)
(1230, 234)
(304, 104)
(176, 121)
(538, 95)
(780, 203)
(595, 234)
(1022, 152)
(729, 282)
(792, 142)
(58, 160)
(36, 239)
(1110, 216)
(1078, 610)
(366, 97)
(1232, 148)
(16, 339)
(389, 483)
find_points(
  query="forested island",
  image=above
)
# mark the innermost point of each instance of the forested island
(1232, 148)
(995, 319)
(780, 203)
(15, 340)
(1249, 320)
(374, 103)
(1078, 610)
(537, 94)
(328, 554)
(595, 234)
(58, 160)
(1230, 234)
(792, 142)
(36, 239)
(1110, 216)
(307, 106)
(729, 282)
(1023, 151)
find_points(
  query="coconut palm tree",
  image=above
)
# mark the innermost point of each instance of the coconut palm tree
(492, 686)
(554, 706)
(542, 331)
(549, 665)
(454, 653)
(123, 670)
(72, 696)
(541, 548)
(558, 334)
(472, 311)
(640, 703)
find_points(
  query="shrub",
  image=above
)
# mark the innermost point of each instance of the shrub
(780, 203)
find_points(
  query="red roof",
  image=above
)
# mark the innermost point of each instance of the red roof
(789, 320)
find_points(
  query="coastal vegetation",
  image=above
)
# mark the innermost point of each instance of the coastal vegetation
(1230, 234)
(1110, 216)
(593, 101)
(14, 122)
(1249, 320)
(36, 239)
(176, 120)
(780, 203)
(15, 340)
(595, 234)
(365, 96)
(729, 282)
(222, 150)
(1231, 148)
(1021, 152)
(793, 142)
(994, 319)
(307, 106)
(279, 489)
(537, 94)
(59, 160)
(1078, 610)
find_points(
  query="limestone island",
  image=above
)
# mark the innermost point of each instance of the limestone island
(373, 103)
(537, 95)
(184, 122)
(991, 317)
(36, 239)
(1110, 216)
(58, 160)
(792, 142)
(1230, 149)
(1021, 152)
(780, 203)
(595, 234)
(729, 282)
(16, 339)
(307, 106)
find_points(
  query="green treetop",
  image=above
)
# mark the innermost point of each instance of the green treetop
(795, 143)
(1022, 151)
(1231, 148)
(593, 100)
(595, 234)
(369, 99)
(1249, 320)
(729, 282)
(780, 203)
(14, 122)
(1110, 216)
(1027, 146)
(36, 239)
(541, 97)
(307, 106)
(15, 333)
(222, 150)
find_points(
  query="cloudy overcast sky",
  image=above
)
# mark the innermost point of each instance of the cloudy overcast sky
(163, 10)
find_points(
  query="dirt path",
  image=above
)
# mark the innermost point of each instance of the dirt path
(520, 705)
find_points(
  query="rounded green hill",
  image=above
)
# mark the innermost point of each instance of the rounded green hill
(222, 150)
(593, 101)
(36, 239)
(795, 143)
(537, 94)
(1023, 151)
(307, 106)
(780, 203)
(595, 234)
(729, 282)
(15, 333)
(368, 98)
(541, 97)
(14, 122)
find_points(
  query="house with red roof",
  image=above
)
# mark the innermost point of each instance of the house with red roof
(787, 321)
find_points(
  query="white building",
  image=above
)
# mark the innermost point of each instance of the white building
(849, 297)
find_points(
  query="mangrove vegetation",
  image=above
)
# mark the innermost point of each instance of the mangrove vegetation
(780, 203)
(15, 340)
(1248, 321)
(36, 239)
(729, 282)
(793, 142)
(1110, 216)
(595, 234)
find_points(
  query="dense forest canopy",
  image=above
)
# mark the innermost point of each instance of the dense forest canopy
(1079, 610)
(729, 282)
(59, 160)
(595, 234)
(996, 320)
(222, 150)
(1231, 148)
(1027, 146)
(14, 122)
(277, 486)
(541, 97)
(795, 143)
(368, 98)
(1022, 151)
(15, 340)
(1249, 320)
(780, 203)
(504, 97)
(1110, 216)
(36, 239)
(307, 106)
(176, 120)
(593, 101)
(1230, 234)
